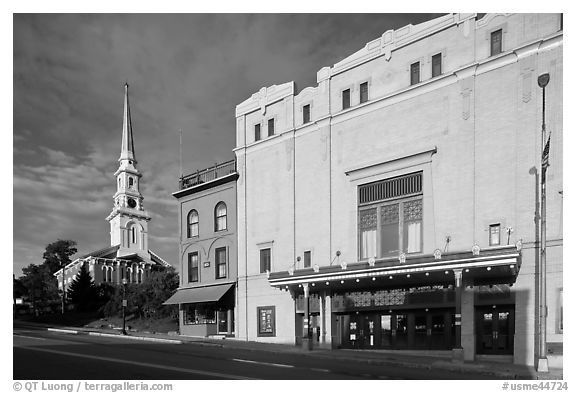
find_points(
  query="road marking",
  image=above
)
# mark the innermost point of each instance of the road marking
(264, 363)
(67, 331)
(142, 364)
(323, 370)
(35, 338)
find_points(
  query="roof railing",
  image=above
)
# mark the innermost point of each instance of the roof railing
(208, 174)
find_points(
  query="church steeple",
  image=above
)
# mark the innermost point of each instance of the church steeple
(127, 152)
(128, 219)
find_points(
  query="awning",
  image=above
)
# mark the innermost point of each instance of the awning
(212, 293)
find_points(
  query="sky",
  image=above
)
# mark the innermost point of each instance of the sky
(185, 71)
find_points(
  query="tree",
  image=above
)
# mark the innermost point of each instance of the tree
(82, 291)
(58, 253)
(40, 285)
(145, 299)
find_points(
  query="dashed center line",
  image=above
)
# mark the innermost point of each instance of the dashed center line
(264, 363)
(322, 370)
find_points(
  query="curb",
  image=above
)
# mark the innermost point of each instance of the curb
(139, 338)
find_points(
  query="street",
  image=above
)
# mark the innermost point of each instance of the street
(45, 355)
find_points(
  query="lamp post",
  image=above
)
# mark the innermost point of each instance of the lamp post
(543, 310)
(124, 304)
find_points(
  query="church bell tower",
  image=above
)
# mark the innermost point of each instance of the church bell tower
(128, 219)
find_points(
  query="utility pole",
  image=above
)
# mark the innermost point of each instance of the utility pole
(543, 311)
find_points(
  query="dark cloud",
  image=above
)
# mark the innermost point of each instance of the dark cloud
(186, 71)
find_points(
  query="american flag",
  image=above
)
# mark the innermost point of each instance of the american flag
(546, 154)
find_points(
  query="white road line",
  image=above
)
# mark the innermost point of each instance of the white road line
(323, 370)
(67, 331)
(35, 338)
(142, 364)
(264, 363)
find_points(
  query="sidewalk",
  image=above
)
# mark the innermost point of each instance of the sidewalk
(413, 359)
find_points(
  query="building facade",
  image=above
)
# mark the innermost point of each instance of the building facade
(208, 252)
(394, 204)
(128, 257)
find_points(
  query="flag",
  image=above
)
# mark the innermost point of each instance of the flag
(546, 155)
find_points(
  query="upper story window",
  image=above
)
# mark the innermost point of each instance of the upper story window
(193, 223)
(265, 260)
(390, 217)
(345, 99)
(220, 260)
(494, 235)
(307, 258)
(437, 65)
(306, 114)
(270, 127)
(496, 42)
(193, 267)
(130, 182)
(415, 73)
(364, 92)
(220, 223)
(257, 135)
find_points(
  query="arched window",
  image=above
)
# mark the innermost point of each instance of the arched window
(130, 182)
(193, 223)
(133, 234)
(220, 217)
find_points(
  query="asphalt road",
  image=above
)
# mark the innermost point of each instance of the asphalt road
(43, 355)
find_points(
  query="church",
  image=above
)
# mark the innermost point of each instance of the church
(128, 256)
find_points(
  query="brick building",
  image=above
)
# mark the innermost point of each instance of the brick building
(393, 204)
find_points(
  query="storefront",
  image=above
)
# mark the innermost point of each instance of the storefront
(205, 311)
(409, 303)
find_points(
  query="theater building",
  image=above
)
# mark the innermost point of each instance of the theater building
(393, 205)
(208, 255)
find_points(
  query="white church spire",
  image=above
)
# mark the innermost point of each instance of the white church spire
(128, 219)
(127, 152)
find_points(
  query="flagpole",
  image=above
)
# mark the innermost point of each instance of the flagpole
(181, 172)
(543, 311)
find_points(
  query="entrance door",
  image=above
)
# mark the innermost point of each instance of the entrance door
(495, 330)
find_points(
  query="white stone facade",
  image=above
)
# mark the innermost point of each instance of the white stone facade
(474, 131)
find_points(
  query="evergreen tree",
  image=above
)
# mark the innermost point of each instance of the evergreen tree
(82, 291)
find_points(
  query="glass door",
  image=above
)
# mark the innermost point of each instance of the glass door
(495, 330)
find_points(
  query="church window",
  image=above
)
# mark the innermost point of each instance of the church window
(133, 235)
(192, 223)
(220, 217)
(130, 182)
(119, 182)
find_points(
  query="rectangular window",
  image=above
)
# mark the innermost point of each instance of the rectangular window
(266, 321)
(306, 114)
(307, 259)
(199, 313)
(494, 235)
(415, 73)
(496, 42)
(270, 127)
(345, 99)
(257, 132)
(390, 217)
(220, 262)
(193, 267)
(436, 65)
(265, 260)
(364, 92)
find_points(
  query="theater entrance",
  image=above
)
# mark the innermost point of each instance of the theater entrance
(398, 329)
(495, 330)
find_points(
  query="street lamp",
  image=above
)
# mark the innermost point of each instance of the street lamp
(543, 310)
(124, 304)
